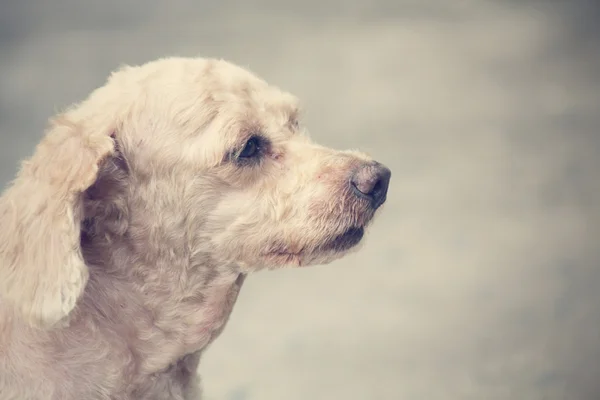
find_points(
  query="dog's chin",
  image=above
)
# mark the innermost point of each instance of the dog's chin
(325, 252)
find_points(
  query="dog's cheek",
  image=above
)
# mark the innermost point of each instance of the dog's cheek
(239, 224)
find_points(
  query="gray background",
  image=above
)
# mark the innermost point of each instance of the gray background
(480, 278)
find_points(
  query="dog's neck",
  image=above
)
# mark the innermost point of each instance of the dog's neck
(147, 280)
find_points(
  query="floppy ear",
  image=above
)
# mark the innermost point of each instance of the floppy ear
(42, 271)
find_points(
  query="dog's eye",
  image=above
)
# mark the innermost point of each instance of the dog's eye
(251, 149)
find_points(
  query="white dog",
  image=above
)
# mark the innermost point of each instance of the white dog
(126, 237)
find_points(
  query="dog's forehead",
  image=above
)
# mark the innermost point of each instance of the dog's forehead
(256, 104)
(239, 86)
(220, 84)
(214, 98)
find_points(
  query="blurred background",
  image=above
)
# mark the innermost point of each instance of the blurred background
(481, 278)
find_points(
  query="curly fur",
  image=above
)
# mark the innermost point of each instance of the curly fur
(127, 236)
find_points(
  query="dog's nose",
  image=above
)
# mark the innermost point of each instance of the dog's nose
(371, 181)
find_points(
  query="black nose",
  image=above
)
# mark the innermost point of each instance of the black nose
(371, 181)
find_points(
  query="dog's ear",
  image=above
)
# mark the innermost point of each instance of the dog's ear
(42, 271)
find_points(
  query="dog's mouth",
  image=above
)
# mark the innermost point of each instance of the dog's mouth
(345, 241)
(337, 244)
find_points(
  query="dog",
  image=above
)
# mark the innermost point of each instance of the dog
(126, 237)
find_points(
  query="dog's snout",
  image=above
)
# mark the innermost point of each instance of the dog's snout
(371, 181)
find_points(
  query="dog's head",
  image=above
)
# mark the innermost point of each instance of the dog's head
(215, 162)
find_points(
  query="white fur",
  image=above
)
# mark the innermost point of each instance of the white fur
(126, 237)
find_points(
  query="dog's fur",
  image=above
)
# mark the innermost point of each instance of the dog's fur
(126, 237)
